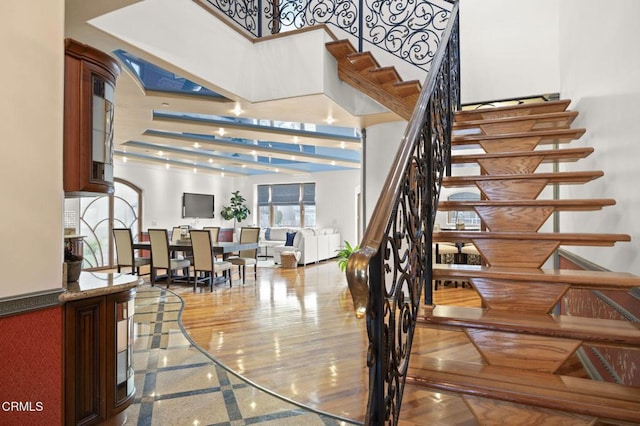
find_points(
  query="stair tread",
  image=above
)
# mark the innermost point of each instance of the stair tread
(565, 205)
(385, 75)
(567, 116)
(576, 278)
(587, 329)
(339, 49)
(547, 136)
(562, 238)
(363, 61)
(556, 106)
(548, 154)
(560, 177)
(600, 399)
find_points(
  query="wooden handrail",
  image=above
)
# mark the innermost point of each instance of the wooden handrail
(358, 264)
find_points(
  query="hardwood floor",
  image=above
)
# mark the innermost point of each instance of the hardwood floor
(294, 333)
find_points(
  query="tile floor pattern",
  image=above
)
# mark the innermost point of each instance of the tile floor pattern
(179, 384)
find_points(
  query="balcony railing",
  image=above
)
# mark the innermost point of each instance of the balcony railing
(409, 30)
(391, 271)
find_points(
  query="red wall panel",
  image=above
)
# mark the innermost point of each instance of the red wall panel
(31, 379)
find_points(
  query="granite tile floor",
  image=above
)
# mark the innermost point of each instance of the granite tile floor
(179, 384)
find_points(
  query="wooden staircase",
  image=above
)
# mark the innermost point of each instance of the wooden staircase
(521, 337)
(382, 84)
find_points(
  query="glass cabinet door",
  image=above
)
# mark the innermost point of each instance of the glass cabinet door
(124, 311)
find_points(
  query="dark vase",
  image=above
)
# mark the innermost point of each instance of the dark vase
(73, 270)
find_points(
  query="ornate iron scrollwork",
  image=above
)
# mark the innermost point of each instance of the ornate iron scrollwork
(400, 270)
(410, 29)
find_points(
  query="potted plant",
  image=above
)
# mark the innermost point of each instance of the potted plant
(236, 210)
(343, 255)
(74, 265)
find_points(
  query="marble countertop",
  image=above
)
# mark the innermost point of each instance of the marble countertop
(93, 284)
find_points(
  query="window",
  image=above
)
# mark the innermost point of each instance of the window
(290, 204)
(469, 217)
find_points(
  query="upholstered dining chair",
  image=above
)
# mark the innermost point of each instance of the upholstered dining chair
(161, 258)
(215, 232)
(205, 266)
(125, 253)
(247, 257)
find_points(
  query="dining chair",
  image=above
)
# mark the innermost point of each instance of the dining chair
(215, 232)
(247, 257)
(205, 266)
(125, 252)
(161, 258)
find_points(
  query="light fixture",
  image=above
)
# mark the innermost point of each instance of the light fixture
(295, 139)
(237, 110)
(166, 166)
(196, 145)
(333, 163)
(195, 170)
(277, 170)
(210, 160)
(124, 159)
(342, 144)
(221, 174)
(160, 153)
(330, 120)
(221, 132)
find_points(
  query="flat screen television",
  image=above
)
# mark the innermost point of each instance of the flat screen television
(197, 205)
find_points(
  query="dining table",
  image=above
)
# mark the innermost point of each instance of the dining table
(224, 248)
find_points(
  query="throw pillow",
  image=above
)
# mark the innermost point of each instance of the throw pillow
(290, 237)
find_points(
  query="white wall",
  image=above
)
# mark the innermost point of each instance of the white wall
(599, 69)
(31, 108)
(383, 141)
(508, 48)
(162, 192)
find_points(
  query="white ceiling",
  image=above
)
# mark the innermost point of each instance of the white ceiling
(135, 123)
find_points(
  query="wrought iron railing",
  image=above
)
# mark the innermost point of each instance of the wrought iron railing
(410, 30)
(392, 269)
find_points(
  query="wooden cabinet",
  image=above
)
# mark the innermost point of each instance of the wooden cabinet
(99, 354)
(89, 89)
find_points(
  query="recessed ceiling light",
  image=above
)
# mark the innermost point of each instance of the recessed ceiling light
(253, 152)
(237, 110)
(195, 170)
(166, 166)
(221, 131)
(277, 170)
(196, 145)
(333, 163)
(295, 139)
(342, 144)
(124, 159)
(330, 120)
(222, 174)
(210, 160)
(244, 166)
(160, 153)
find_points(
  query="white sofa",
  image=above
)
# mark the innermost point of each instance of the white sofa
(270, 238)
(313, 245)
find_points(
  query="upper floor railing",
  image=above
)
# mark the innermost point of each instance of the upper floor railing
(410, 30)
(389, 273)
